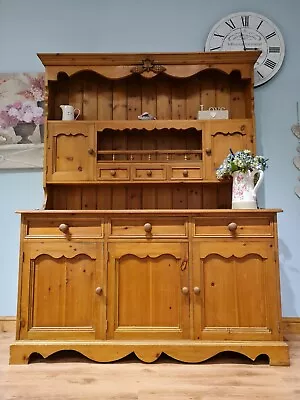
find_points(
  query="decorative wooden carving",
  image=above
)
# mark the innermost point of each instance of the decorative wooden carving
(147, 66)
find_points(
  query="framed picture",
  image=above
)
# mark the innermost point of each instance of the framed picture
(21, 120)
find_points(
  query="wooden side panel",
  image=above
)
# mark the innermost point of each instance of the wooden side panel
(90, 97)
(219, 292)
(178, 100)
(164, 95)
(237, 99)
(80, 291)
(149, 97)
(76, 90)
(134, 94)
(192, 98)
(119, 100)
(147, 196)
(105, 99)
(48, 285)
(253, 311)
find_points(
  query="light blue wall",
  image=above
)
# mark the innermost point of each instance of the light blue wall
(31, 26)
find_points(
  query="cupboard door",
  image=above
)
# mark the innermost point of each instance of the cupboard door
(70, 152)
(238, 283)
(59, 296)
(220, 137)
(148, 291)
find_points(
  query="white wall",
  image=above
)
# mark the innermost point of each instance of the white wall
(31, 26)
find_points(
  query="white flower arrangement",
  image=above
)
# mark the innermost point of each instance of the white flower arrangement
(242, 161)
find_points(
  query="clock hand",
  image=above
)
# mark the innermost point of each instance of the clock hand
(243, 40)
(251, 48)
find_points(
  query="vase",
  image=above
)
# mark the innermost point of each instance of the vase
(24, 130)
(244, 189)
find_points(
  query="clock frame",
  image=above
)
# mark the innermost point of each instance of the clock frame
(250, 31)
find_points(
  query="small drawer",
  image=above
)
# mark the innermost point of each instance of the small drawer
(186, 173)
(149, 227)
(233, 227)
(149, 173)
(113, 174)
(64, 227)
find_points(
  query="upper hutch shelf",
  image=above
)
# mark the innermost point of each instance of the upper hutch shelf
(169, 86)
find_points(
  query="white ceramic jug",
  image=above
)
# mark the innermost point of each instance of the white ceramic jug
(68, 112)
(243, 189)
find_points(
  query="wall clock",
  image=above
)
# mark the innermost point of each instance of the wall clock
(246, 31)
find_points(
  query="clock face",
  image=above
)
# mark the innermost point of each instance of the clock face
(246, 31)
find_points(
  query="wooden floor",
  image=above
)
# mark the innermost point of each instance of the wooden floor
(224, 377)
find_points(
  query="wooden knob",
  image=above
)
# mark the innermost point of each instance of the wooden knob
(196, 290)
(64, 228)
(91, 152)
(208, 152)
(99, 290)
(232, 227)
(148, 227)
(113, 172)
(149, 173)
(185, 290)
(185, 172)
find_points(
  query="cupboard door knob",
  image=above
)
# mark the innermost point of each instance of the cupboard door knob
(99, 290)
(64, 228)
(185, 172)
(196, 290)
(113, 172)
(208, 152)
(185, 290)
(91, 152)
(232, 227)
(149, 173)
(148, 227)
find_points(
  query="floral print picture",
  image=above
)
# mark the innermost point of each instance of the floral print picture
(21, 109)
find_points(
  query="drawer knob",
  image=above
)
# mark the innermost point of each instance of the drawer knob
(64, 228)
(185, 172)
(99, 290)
(185, 290)
(208, 152)
(91, 152)
(232, 227)
(148, 227)
(113, 172)
(149, 173)
(196, 290)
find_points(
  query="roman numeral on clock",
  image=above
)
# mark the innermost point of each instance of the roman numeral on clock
(260, 74)
(217, 34)
(270, 35)
(215, 48)
(269, 63)
(245, 20)
(230, 23)
(274, 49)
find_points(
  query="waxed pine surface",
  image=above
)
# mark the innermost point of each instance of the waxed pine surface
(225, 377)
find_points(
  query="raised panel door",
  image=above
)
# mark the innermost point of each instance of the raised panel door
(71, 152)
(148, 291)
(220, 137)
(60, 295)
(238, 296)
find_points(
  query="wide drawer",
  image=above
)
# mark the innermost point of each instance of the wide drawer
(186, 173)
(64, 227)
(148, 227)
(233, 226)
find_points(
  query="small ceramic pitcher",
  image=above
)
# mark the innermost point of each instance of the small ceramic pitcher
(243, 189)
(68, 112)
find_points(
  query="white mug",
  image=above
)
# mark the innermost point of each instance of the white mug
(68, 112)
